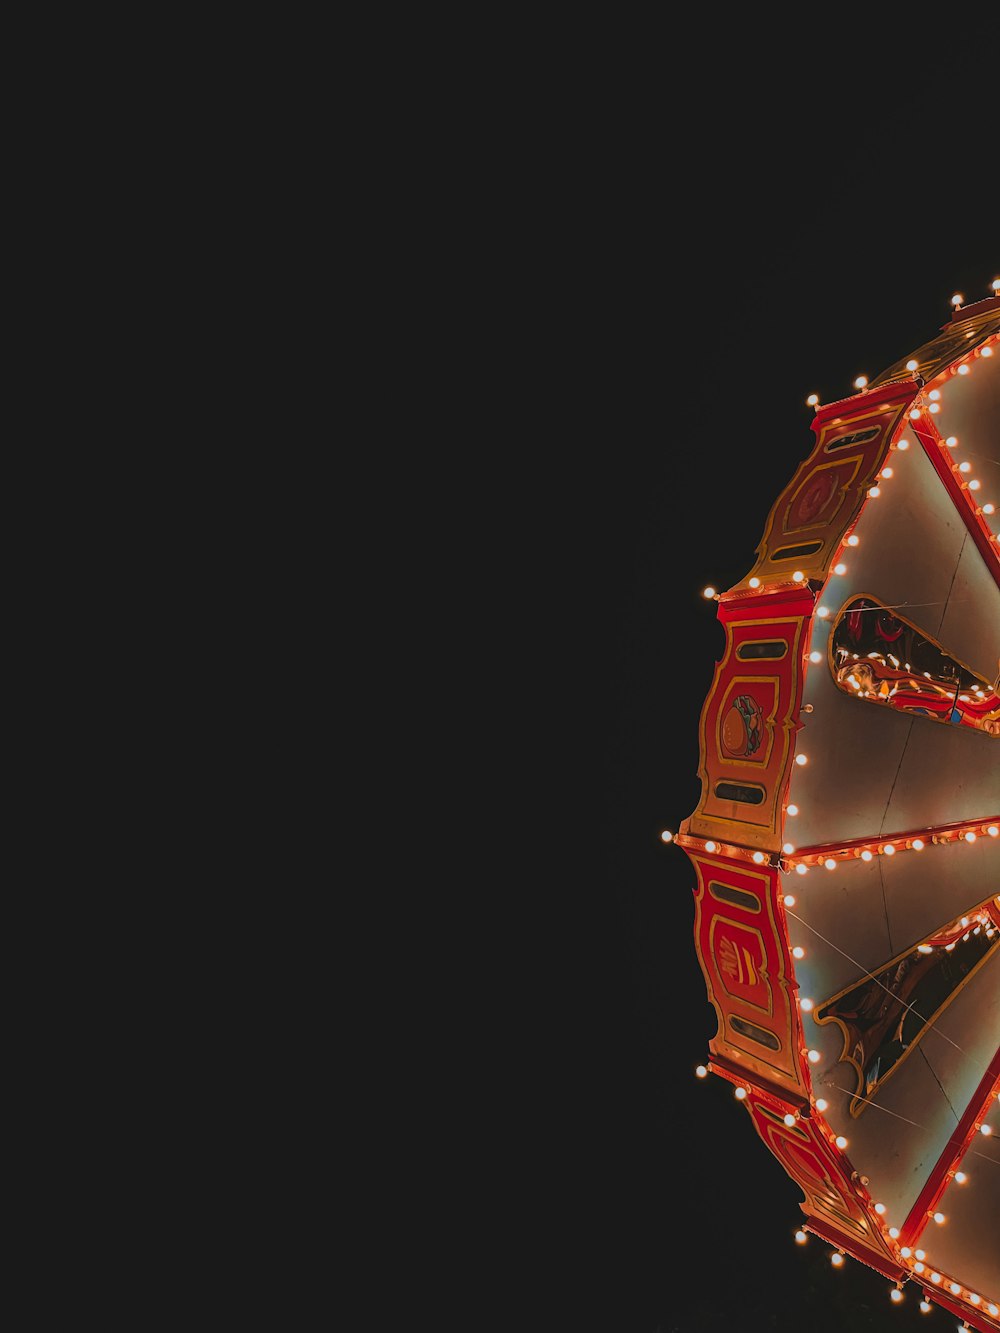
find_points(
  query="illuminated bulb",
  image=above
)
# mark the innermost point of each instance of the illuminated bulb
(934, 395)
(830, 863)
(740, 1093)
(986, 351)
(903, 444)
(861, 381)
(800, 1237)
(813, 399)
(914, 413)
(935, 1277)
(709, 593)
(912, 365)
(955, 1287)
(965, 467)
(886, 472)
(974, 485)
(853, 540)
(995, 284)
(906, 1251)
(800, 759)
(814, 1057)
(798, 951)
(789, 899)
(888, 849)
(788, 848)
(866, 855)
(710, 847)
(951, 441)
(962, 370)
(918, 844)
(821, 1103)
(961, 1177)
(939, 1218)
(924, 948)
(836, 1259)
(993, 829)
(758, 857)
(794, 810)
(921, 1254)
(701, 1071)
(807, 1005)
(894, 1232)
(841, 1141)
(958, 299)
(789, 1120)
(815, 657)
(667, 836)
(755, 582)
(985, 1129)
(988, 509)
(840, 569)
(874, 492)
(895, 1295)
(822, 612)
(798, 576)
(925, 1307)
(800, 869)
(970, 836)
(880, 1208)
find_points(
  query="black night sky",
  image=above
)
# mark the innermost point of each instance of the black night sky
(707, 286)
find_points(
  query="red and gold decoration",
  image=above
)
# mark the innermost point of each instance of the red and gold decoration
(846, 844)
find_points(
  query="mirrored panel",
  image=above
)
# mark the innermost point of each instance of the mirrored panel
(880, 657)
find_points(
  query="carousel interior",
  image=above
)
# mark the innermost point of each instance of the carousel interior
(846, 842)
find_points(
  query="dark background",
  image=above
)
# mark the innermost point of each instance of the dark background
(699, 286)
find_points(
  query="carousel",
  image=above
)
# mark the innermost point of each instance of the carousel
(846, 844)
